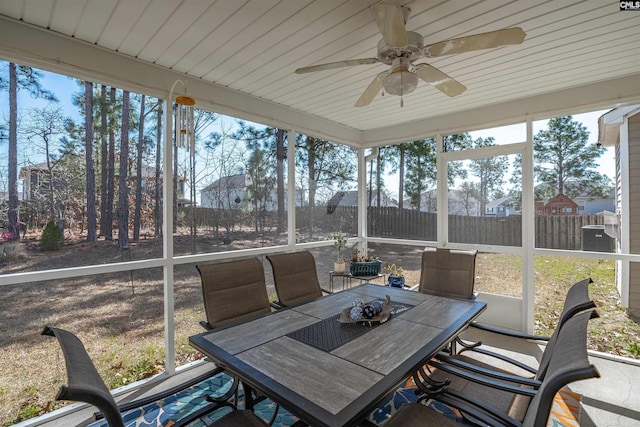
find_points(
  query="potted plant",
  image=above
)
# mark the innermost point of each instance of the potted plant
(363, 264)
(340, 242)
(396, 278)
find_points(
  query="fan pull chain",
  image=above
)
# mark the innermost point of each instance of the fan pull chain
(401, 97)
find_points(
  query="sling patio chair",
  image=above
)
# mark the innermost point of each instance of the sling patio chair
(448, 272)
(576, 301)
(84, 384)
(295, 278)
(233, 291)
(485, 405)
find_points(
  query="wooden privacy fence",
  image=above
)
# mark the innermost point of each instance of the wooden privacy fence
(552, 232)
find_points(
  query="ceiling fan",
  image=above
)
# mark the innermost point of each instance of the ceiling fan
(399, 48)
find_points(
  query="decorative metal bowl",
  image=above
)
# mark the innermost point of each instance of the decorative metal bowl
(383, 316)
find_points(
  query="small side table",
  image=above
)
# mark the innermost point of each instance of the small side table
(348, 277)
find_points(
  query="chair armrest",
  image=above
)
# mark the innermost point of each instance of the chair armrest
(456, 363)
(504, 358)
(512, 334)
(489, 382)
(211, 407)
(124, 407)
(514, 387)
(277, 305)
(206, 325)
(479, 410)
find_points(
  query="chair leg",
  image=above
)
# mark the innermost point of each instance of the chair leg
(275, 415)
(225, 398)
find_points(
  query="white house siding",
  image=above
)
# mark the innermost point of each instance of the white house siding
(634, 212)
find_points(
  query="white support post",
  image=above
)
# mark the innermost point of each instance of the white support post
(528, 234)
(167, 235)
(442, 188)
(362, 199)
(291, 187)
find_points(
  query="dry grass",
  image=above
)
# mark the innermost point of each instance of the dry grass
(11, 252)
(120, 317)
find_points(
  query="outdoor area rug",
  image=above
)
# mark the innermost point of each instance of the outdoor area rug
(165, 412)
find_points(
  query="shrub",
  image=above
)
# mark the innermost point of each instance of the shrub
(51, 239)
(11, 251)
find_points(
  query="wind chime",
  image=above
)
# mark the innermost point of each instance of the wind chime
(185, 138)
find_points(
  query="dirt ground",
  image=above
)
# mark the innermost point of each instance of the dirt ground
(119, 316)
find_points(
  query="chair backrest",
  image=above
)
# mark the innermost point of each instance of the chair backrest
(576, 301)
(295, 277)
(233, 291)
(569, 362)
(84, 381)
(448, 272)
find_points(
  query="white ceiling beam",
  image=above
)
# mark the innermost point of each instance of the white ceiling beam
(606, 94)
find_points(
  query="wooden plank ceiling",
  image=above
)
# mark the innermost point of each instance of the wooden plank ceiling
(252, 47)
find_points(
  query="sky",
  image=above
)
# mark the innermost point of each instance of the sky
(65, 88)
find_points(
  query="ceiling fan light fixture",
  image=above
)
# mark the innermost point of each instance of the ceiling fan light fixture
(400, 80)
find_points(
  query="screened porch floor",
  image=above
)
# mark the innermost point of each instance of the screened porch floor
(612, 400)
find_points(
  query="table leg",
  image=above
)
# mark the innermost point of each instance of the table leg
(248, 397)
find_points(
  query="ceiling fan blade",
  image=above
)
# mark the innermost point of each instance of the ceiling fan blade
(391, 22)
(372, 90)
(441, 81)
(481, 41)
(330, 65)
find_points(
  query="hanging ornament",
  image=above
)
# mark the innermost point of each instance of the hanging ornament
(185, 137)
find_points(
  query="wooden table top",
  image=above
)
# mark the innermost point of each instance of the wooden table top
(342, 386)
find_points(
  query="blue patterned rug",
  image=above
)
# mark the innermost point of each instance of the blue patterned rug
(165, 412)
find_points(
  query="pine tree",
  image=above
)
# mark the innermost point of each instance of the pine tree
(566, 162)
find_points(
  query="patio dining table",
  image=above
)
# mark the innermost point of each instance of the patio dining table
(329, 373)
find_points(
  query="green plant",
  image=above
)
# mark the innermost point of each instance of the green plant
(30, 411)
(51, 239)
(359, 256)
(394, 270)
(145, 367)
(634, 348)
(340, 242)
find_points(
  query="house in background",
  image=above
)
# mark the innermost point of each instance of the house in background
(501, 207)
(350, 198)
(620, 129)
(460, 203)
(231, 192)
(590, 205)
(558, 205)
(226, 192)
(36, 179)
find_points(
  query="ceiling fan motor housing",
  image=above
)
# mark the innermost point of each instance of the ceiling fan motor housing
(413, 50)
(400, 80)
